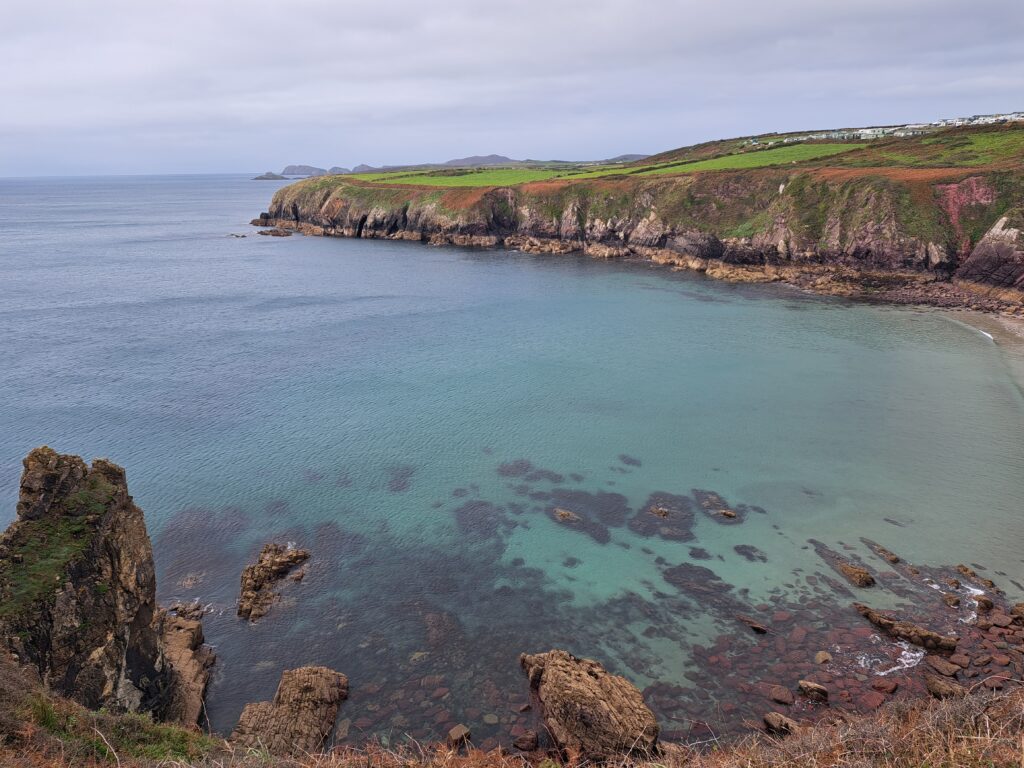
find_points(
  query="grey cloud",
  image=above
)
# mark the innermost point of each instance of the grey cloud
(200, 86)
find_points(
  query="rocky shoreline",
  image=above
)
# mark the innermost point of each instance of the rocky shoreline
(957, 633)
(859, 238)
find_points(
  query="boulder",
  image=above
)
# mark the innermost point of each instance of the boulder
(859, 577)
(590, 713)
(905, 630)
(943, 687)
(942, 666)
(189, 662)
(813, 691)
(781, 695)
(527, 742)
(258, 580)
(822, 657)
(299, 718)
(459, 735)
(779, 724)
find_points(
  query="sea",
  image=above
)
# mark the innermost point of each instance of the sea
(490, 453)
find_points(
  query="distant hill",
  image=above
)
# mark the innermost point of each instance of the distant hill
(474, 161)
(303, 170)
(334, 170)
(625, 158)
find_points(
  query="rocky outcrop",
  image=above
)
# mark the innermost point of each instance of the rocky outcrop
(181, 636)
(997, 261)
(299, 718)
(590, 713)
(905, 630)
(259, 579)
(856, 575)
(78, 592)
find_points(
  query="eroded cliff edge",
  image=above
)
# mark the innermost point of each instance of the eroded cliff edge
(948, 237)
(78, 595)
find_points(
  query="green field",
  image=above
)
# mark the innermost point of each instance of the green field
(500, 177)
(795, 153)
(484, 177)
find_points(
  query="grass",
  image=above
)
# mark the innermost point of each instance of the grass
(795, 153)
(481, 177)
(978, 731)
(958, 148)
(45, 546)
(494, 177)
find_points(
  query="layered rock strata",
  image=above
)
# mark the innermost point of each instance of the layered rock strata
(300, 717)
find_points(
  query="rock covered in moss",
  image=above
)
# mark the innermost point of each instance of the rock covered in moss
(78, 591)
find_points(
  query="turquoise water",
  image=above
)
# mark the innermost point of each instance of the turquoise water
(361, 399)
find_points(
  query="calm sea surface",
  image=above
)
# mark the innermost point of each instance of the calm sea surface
(413, 415)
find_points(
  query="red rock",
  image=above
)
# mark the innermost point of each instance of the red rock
(1000, 620)
(781, 616)
(781, 695)
(871, 700)
(994, 683)
(960, 659)
(884, 685)
(440, 693)
(1001, 659)
(798, 635)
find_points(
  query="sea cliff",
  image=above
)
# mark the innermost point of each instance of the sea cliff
(942, 234)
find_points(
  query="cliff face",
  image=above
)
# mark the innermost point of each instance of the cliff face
(763, 220)
(997, 261)
(78, 587)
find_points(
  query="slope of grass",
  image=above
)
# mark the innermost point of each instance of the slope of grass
(957, 148)
(475, 177)
(794, 153)
(977, 731)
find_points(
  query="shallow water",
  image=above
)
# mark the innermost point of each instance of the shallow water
(413, 414)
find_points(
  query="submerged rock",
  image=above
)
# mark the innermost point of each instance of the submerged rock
(274, 563)
(299, 718)
(591, 713)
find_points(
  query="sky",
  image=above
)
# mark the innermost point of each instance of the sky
(228, 86)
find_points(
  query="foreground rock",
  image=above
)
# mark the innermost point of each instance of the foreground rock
(78, 593)
(300, 717)
(181, 635)
(905, 630)
(779, 724)
(258, 580)
(591, 714)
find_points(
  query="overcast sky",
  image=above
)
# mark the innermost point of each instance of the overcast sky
(232, 85)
